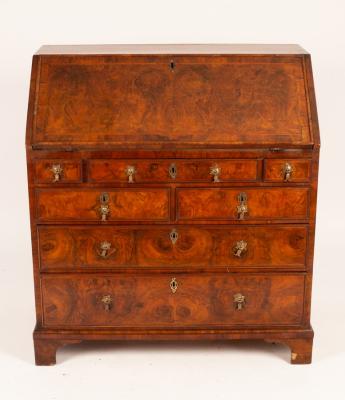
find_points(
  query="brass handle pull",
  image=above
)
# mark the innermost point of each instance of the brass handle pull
(105, 250)
(130, 172)
(242, 207)
(104, 208)
(173, 285)
(173, 171)
(215, 172)
(287, 172)
(173, 236)
(240, 249)
(239, 301)
(57, 171)
(107, 302)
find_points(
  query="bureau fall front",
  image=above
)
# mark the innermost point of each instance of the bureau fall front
(172, 194)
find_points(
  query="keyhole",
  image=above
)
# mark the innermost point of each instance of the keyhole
(242, 197)
(172, 65)
(173, 171)
(104, 198)
(173, 236)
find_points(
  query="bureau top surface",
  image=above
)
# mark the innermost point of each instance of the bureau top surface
(102, 49)
(171, 96)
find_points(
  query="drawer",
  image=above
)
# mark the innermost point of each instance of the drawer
(186, 300)
(97, 205)
(287, 170)
(140, 171)
(58, 171)
(225, 204)
(74, 247)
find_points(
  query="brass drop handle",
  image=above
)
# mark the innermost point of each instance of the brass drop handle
(105, 250)
(240, 248)
(57, 171)
(173, 285)
(242, 207)
(215, 172)
(130, 172)
(239, 301)
(107, 302)
(287, 172)
(104, 208)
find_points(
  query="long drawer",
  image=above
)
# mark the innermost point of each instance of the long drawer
(184, 300)
(70, 247)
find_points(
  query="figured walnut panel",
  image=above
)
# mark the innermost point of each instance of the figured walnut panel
(74, 247)
(124, 204)
(148, 301)
(263, 203)
(215, 101)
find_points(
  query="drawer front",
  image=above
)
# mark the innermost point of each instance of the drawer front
(58, 171)
(262, 203)
(112, 205)
(171, 170)
(82, 247)
(172, 301)
(287, 170)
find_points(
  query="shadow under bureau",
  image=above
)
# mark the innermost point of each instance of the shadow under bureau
(172, 194)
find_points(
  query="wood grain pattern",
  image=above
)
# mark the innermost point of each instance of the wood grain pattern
(213, 102)
(214, 203)
(124, 204)
(72, 247)
(158, 170)
(273, 170)
(147, 300)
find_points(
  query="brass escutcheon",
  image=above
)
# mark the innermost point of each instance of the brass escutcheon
(287, 172)
(173, 236)
(173, 171)
(104, 208)
(240, 248)
(57, 171)
(242, 207)
(239, 301)
(130, 171)
(107, 302)
(173, 285)
(215, 172)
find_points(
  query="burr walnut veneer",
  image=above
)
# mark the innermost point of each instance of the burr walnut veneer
(172, 194)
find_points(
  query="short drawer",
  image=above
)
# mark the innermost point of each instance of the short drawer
(80, 247)
(242, 203)
(58, 171)
(140, 171)
(102, 205)
(182, 300)
(288, 170)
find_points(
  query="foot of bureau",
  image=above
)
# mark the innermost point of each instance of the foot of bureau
(45, 350)
(301, 350)
(47, 342)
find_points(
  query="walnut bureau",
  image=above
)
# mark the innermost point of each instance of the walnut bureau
(172, 194)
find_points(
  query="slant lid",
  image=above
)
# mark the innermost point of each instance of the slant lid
(170, 101)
